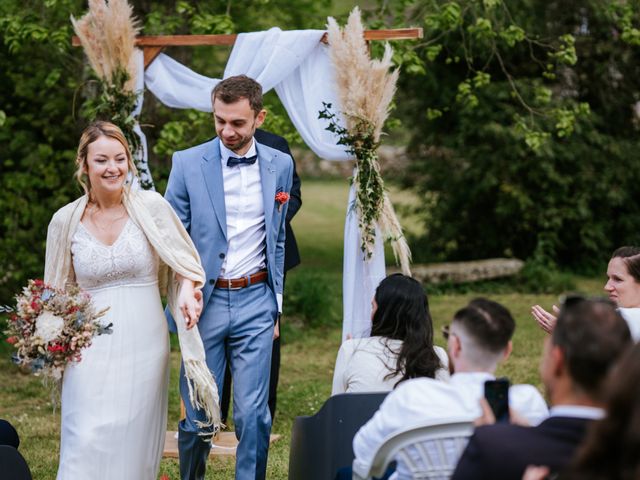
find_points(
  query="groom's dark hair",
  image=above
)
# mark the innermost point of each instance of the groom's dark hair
(233, 89)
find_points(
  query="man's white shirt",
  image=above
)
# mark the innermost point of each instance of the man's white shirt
(577, 411)
(424, 399)
(244, 207)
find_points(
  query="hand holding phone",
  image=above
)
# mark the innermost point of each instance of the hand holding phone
(497, 394)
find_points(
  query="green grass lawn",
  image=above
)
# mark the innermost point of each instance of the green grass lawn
(308, 353)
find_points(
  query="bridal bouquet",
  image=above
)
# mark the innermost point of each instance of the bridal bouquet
(50, 327)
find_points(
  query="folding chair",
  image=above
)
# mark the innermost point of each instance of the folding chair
(426, 451)
(321, 444)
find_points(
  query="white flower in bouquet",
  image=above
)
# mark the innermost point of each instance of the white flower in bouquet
(48, 326)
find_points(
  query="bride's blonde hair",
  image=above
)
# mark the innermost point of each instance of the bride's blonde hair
(90, 134)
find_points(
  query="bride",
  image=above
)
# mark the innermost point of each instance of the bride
(122, 246)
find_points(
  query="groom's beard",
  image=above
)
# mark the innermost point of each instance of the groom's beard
(240, 142)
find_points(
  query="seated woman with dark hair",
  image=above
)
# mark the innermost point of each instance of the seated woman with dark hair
(400, 346)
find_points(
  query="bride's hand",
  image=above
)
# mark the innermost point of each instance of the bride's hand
(189, 302)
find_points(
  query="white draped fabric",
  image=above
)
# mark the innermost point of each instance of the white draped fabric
(177, 86)
(298, 66)
(359, 277)
(142, 156)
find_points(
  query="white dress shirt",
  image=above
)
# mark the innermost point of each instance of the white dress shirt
(363, 363)
(632, 316)
(577, 411)
(423, 399)
(244, 208)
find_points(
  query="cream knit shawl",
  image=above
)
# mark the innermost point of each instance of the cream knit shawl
(178, 255)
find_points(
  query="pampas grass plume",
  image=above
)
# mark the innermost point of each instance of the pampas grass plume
(366, 88)
(107, 33)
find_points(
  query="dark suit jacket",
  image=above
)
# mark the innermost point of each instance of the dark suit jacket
(503, 451)
(291, 254)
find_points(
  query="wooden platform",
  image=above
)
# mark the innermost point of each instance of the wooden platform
(224, 445)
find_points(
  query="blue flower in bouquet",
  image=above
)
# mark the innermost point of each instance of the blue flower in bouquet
(80, 319)
(105, 329)
(47, 294)
(37, 365)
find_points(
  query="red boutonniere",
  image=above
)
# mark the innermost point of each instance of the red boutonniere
(282, 198)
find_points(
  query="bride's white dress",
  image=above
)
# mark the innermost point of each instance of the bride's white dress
(114, 401)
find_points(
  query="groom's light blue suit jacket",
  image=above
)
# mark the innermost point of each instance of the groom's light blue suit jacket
(196, 192)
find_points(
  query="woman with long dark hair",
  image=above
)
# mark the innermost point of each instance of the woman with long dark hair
(400, 346)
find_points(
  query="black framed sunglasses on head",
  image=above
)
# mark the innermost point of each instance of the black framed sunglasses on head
(574, 299)
(445, 332)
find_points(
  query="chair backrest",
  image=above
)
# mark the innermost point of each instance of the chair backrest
(322, 443)
(13, 465)
(426, 451)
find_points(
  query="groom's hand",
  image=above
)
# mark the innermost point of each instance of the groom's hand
(198, 296)
(276, 328)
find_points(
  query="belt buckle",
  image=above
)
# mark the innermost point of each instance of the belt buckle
(229, 287)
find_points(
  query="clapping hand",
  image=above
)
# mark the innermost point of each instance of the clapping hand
(545, 319)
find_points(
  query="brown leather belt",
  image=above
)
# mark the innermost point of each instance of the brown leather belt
(238, 283)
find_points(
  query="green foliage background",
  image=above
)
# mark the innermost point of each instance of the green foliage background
(519, 117)
(521, 127)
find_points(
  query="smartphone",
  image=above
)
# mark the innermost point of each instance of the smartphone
(497, 394)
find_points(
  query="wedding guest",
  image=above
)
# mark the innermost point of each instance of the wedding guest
(622, 287)
(479, 339)
(611, 448)
(8, 434)
(400, 346)
(589, 337)
(124, 247)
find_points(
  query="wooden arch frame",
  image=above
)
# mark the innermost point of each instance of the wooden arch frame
(152, 46)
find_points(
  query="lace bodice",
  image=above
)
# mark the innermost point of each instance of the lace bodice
(129, 261)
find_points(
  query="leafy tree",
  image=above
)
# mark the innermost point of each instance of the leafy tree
(522, 129)
(38, 132)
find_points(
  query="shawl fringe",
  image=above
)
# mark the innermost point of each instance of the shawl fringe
(203, 394)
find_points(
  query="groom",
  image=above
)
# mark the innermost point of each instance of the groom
(231, 194)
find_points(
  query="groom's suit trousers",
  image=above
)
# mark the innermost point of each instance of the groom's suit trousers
(242, 321)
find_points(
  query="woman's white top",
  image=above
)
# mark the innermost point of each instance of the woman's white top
(632, 316)
(363, 363)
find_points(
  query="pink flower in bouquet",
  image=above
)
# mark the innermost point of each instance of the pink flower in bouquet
(57, 348)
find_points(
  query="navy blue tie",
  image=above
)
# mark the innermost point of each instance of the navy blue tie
(233, 161)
